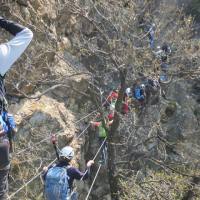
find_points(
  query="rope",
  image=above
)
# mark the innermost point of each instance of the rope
(83, 131)
(58, 134)
(36, 176)
(92, 159)
(85, 116)
(93, 183)
(27, 183)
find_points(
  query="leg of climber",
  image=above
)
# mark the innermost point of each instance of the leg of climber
(151, 41)
(103, 151)
(4, 170)
(151, 33)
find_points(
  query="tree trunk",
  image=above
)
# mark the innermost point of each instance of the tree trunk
(113, 179)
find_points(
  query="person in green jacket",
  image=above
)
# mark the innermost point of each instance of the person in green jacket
(102, 135)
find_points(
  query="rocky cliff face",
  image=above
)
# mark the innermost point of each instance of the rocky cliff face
(39, 115)
(53, 60)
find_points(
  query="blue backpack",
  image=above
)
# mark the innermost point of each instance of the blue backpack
(56, 184)
(9, 120)
(137, 93)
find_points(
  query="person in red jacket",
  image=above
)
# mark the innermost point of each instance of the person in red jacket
(112, 97)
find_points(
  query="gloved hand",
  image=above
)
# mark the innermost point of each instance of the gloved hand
(53, 139)
(90, 163)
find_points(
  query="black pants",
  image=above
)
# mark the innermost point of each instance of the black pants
(4, 183)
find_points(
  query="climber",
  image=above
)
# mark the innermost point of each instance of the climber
(126, 101)
(4, 169)
(160, 54)
(166, 48)
(11, 51)
(163, 77)
(111, 115)
(163, 52)
(139, 93)
(102, 134)
(111, 99)
(153, 83)
(151, 33)
(125, 105)
(63, 172)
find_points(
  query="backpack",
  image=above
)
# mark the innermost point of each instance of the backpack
(56, 184)
(9, 120)
(102, 132)
(137, 93)
(3, 124)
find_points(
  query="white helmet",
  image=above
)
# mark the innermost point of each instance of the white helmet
(112, 106)
(142, 86)
(128, 91)
(67, 152)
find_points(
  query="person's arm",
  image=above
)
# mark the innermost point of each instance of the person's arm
(12, 50)
(82, 175)
(44, 172)
(95, 124)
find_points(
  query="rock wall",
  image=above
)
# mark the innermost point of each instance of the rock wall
(41, 67)
(48, 62)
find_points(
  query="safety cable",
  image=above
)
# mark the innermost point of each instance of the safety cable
(83, 131)
(57, 134)
(93, 160)
(47, 138)
(106, 100)
(85, 116)
(93, 182)
(36, 176)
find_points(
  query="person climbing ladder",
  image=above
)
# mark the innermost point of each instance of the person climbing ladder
(102, 135)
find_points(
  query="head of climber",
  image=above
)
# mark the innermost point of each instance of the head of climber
(66, 154)
(111, 115)
(142, 86)
(165, 47)
(128, 92)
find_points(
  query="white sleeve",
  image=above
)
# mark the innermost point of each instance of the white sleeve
(12, 50)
